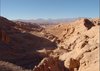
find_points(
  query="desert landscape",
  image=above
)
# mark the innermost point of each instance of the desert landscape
(49, 35)
(66, 46)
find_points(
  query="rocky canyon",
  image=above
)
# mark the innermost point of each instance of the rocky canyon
(66, 46)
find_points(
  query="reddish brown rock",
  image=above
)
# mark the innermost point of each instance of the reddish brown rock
(4, 37)
(49, 64)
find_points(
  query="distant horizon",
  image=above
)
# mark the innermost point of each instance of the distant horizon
(49, 9)
(46, 18)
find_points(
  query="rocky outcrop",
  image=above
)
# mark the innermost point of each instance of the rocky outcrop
(49, 64)
(52, 38)
(78, 44)
(72, 64)
(82, 47)
(88, 24)
(4, 37)
(28, 27)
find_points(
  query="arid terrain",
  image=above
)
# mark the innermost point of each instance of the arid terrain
(66, 46)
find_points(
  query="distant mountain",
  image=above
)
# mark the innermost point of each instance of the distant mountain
(47, 21)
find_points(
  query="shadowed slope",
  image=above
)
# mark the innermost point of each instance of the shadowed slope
(19, 48)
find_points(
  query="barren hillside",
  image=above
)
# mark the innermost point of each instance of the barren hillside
(70, 46)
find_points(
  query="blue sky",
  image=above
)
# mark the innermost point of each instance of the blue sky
(55, 9)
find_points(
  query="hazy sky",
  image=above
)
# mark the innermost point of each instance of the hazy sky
(33, 9)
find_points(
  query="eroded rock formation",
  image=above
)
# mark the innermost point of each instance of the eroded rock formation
(61, 47)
